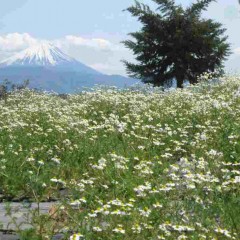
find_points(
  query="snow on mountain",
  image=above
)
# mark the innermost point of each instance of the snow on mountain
(43, 54)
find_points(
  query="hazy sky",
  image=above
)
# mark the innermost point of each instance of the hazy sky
(91, 30)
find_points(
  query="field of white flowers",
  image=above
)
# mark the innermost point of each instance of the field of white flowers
(133, 164)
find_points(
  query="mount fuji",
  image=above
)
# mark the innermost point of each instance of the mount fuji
(48, 68)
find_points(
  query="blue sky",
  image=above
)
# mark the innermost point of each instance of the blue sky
(91, 30)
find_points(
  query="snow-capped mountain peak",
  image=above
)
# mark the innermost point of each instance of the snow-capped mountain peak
(43, 54)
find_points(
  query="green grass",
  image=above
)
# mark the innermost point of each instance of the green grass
(136, 164)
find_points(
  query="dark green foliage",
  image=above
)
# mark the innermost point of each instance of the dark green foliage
(175, 43)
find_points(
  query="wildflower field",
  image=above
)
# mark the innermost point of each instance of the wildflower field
(133, 164)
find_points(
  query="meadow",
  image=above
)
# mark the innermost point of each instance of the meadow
(131, 164)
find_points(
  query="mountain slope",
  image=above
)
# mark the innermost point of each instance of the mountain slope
(48, 68)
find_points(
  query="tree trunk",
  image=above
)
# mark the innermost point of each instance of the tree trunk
(180, 80)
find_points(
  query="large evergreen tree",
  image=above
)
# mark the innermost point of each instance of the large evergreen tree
(175, 43)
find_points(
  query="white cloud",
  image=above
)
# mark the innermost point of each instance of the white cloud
(237, 50)
(94, 42)
(97, 43)
(16, 41)
(99, 53)
(102, 67)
